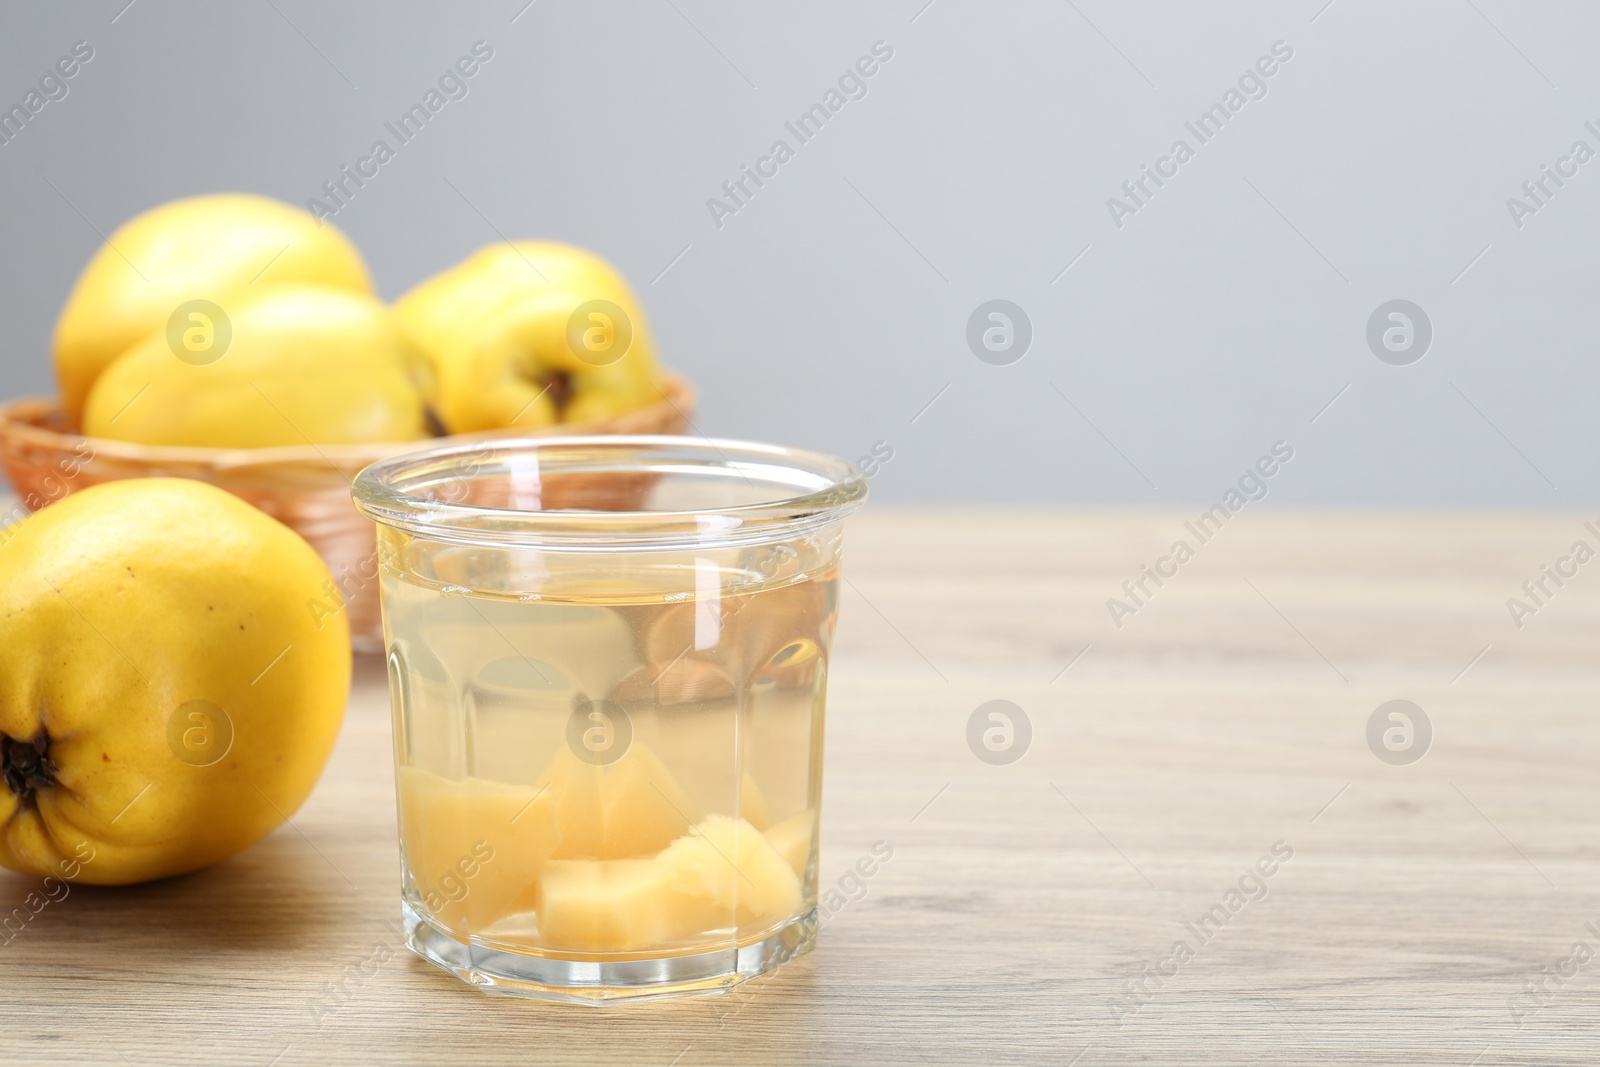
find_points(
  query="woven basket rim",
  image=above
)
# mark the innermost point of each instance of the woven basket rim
(24, 426)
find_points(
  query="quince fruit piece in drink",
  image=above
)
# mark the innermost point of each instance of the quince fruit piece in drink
(201, 247)
(304, 365)
(619, 906)
(530, 334)
(721, 876)
(729, 863)
(753, 803)
(166, 698)
(630, 808)
(792, 839)
(473, 846)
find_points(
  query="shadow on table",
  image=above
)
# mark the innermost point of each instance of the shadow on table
(266, 899)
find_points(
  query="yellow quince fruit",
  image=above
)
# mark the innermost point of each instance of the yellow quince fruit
(167, 697)
(298, 365)
(530, 334)
(197, 248)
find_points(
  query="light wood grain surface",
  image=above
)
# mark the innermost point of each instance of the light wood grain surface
(1227, 715)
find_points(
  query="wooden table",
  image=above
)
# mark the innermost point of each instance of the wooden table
(1024, 901)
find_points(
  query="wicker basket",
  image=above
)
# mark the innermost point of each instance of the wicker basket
(305, 487)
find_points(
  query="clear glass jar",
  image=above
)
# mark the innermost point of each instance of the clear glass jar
(607, 662)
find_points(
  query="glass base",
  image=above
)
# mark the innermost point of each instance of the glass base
(599, 983)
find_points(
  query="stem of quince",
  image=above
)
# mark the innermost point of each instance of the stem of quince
(26, 765)
(560, 389)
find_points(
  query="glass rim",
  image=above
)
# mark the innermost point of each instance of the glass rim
(826, 489)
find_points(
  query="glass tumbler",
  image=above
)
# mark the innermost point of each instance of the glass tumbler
(607, 664)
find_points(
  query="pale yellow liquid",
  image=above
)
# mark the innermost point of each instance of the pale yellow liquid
(720, 677)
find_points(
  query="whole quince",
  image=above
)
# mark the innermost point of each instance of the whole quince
(531, 333)
(299, 365)
(167, 698)
(201, 247)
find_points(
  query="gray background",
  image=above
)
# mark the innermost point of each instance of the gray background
(832, 309)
